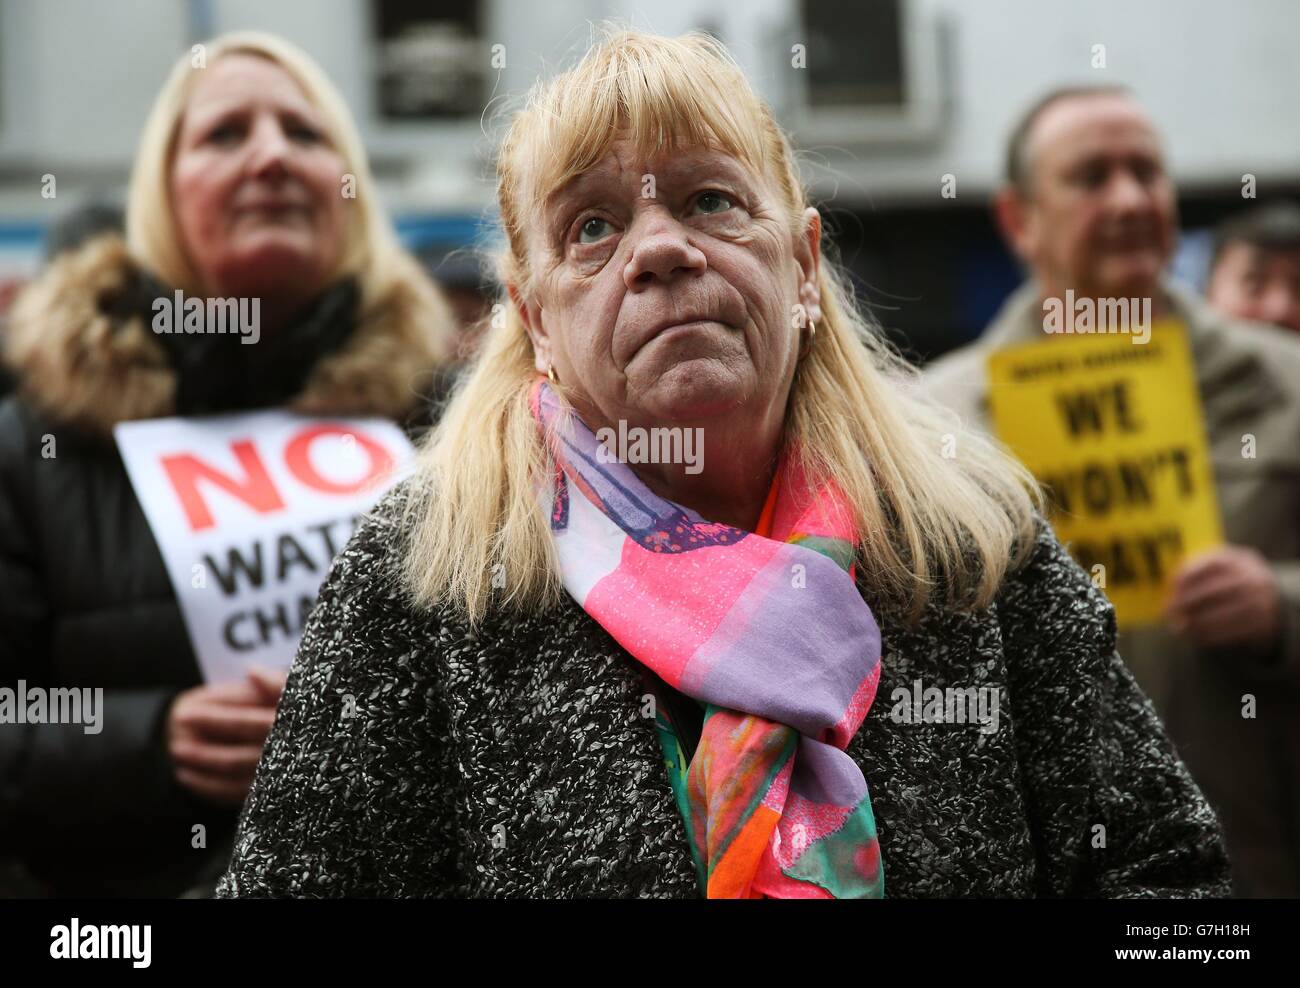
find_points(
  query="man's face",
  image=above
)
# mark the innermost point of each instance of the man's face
(1252, 282)
(1100, 216)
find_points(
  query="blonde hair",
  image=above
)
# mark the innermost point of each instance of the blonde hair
(856, 413)
(371, 250)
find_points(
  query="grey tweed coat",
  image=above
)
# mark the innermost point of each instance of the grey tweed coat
(412, 756)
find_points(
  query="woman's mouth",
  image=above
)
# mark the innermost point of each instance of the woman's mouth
(678, 327)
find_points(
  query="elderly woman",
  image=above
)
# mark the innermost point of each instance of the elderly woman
(552, 665)
(242, 188)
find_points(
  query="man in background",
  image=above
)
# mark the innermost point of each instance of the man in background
(1089, 208)
(1255, 266)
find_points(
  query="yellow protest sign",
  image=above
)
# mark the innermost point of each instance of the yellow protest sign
(1113, 429)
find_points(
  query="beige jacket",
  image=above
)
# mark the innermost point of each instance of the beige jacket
(1249, 380)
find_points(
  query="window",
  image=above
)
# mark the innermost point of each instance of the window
(433, 62)
(855, 53)
(869, 71)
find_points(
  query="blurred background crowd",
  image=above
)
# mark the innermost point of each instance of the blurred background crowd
(896, 95)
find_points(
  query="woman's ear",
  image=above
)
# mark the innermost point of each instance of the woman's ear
(808, 256)
(532, 320)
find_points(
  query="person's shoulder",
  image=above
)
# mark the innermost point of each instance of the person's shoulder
(79, 343)
(958, 381)
(372, 556)
(959, 378)
(1005, 328)
(1052, 599)
(364, 583)
(1046, 608)
(1260, 358)
(364, 622)
(1233, 335)
(1279, 347)
(954, 366)
(1050, 574)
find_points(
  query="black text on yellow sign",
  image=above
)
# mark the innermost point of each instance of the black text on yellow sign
(1114, 430)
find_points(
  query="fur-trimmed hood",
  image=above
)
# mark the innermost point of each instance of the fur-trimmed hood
(83, 358)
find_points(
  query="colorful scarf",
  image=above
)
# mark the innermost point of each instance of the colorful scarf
(770, 635)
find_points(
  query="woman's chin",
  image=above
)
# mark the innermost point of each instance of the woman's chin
(269, 269)
(693, 390)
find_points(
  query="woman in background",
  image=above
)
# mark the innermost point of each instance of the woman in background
(250, 182)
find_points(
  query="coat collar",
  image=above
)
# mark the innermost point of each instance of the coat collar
(86, 356)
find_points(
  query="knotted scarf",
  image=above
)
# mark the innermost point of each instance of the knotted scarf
(769, 634)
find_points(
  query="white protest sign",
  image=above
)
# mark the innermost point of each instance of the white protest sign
(248, 511)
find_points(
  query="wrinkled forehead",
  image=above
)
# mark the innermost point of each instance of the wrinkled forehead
(243, 72)
(649, 168)
(240, 79)
(659, 134)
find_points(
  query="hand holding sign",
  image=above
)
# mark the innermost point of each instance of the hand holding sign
(215, 734)
(1227, 596)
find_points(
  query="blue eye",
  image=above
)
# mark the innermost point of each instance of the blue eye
(594, 229)
(712, 202)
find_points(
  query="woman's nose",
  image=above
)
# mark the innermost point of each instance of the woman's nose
(269, 148)
(660, 251)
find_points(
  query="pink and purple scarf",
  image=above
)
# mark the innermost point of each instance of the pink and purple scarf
(769, 634)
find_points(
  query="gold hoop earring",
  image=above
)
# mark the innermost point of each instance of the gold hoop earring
(812, 333)
(550, 375)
